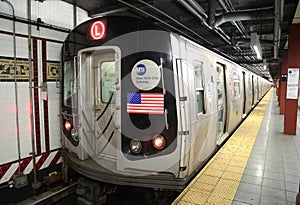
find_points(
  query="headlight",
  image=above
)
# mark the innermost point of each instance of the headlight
(74, 134)
(136, 146)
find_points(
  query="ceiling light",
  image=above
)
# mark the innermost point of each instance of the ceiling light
(255, 44)
(265, 64)
(257, 51)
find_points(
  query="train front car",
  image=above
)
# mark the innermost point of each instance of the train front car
(119, 116)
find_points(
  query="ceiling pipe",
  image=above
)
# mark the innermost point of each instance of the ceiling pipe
(194, 11)
(165, 23)
(279, 4)
(242, 16)
(198, 8)
(211, 12)
(238, 24)
(218, 31)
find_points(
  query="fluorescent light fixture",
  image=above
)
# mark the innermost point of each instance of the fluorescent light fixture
(257, 51)
(255, 44)
(265, 64)
(265, 67)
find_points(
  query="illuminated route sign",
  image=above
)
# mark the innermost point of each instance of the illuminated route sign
(97, 30)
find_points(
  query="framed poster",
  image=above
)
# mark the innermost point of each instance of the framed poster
(292, 83)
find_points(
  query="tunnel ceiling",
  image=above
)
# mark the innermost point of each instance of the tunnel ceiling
(225, 26)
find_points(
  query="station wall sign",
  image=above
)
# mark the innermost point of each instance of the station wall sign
(292, 83)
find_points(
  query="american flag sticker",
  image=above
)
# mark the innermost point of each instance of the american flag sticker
(145, 103)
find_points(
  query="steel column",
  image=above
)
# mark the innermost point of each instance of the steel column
(291, 105)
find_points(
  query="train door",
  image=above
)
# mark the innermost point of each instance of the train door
(244, 93)
(98, 77)
(222, 103)
(182, 77)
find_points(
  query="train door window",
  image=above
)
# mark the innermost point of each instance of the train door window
(250, 84)
(108, 86)
(105, 84)
(98, 78)
(198, 83)
(221, 97)
(244, 92)
(69, 83)
(253, 91)
(236, 85)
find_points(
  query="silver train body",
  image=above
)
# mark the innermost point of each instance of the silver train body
(145, 107)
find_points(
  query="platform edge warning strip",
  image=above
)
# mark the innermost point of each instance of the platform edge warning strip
(217, 183)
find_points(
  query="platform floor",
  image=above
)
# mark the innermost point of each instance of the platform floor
(257, 165)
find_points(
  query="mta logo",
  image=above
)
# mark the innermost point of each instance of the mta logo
(141, 69)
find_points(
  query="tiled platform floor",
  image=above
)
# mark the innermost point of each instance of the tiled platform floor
(272, 173)
(258, 165)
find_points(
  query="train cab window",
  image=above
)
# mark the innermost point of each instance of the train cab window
(69, 83)
(198, 83)
(236, 85)
(108, 85)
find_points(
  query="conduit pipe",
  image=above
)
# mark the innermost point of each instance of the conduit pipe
(75, 14)
(33, 154)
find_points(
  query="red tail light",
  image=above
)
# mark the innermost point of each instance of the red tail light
(159, 142)
(68, 125)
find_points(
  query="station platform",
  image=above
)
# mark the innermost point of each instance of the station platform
(257, 165)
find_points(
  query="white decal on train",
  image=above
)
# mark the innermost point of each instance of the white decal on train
(145, 74)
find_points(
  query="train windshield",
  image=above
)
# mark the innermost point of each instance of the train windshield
(69, 91)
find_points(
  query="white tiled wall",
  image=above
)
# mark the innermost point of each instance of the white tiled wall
(53, 12)
(81, 16)
(53, 51)
(8, 125)
(6, 46)
(58, 13)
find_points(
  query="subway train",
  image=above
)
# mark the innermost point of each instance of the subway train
(143, 106)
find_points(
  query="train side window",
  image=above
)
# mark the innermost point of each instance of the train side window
(236, 84)
(199, 88)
